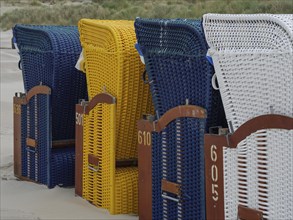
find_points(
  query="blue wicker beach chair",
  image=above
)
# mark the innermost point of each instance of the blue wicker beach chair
(53, 86)
(174, 52)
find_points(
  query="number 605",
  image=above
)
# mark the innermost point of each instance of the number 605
(214, 173)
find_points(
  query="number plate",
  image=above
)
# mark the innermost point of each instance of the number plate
(214, 177)
(17, 109)
(144, 138)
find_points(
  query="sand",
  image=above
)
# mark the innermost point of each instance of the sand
(20, 199)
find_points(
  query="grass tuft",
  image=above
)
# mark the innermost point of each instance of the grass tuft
(63, 13)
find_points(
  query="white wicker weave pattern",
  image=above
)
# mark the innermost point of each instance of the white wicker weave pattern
(252, 55)
(249, 31)
(263, 163)
(230, 183)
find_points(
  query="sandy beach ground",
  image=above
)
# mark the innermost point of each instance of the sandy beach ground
(20, 199)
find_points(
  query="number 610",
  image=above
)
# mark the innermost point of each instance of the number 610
(145, 138)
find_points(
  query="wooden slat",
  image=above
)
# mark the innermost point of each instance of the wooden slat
(93, 160)
(63, 143)
(78, 150)
(99, 98)
(144, 171)
(45, 90)
(126, 163)
(182, 111)
(170, 187)
(31, 142)
(17, 136)
(270, 121)
(214, 189)
(245, 213)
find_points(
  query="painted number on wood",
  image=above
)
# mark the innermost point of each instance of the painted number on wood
(144, 138)
(78, 118)
(214, 173)
(17, 109)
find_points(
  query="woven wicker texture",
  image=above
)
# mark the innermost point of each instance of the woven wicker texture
(105, 185)
(259, 174)
(111, 61)
(48, 55)
(175, 56)
(24, 153)
(62, 166)
(174, 52)
(37, 121)
(157, 200)
(42, 163)
(252, 55)
(178, 150)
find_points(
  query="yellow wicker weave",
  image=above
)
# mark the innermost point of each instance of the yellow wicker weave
(111, 62)
(92, 132)
(105, 185)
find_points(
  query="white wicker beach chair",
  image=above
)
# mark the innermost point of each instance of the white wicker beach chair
(252, 56)
(260, 172)
(253, 60)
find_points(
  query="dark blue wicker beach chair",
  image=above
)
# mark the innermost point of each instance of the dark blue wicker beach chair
(174, 52)
(182, 164)
(48, 55)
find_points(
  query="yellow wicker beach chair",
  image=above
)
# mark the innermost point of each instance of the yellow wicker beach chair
(109, 151)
